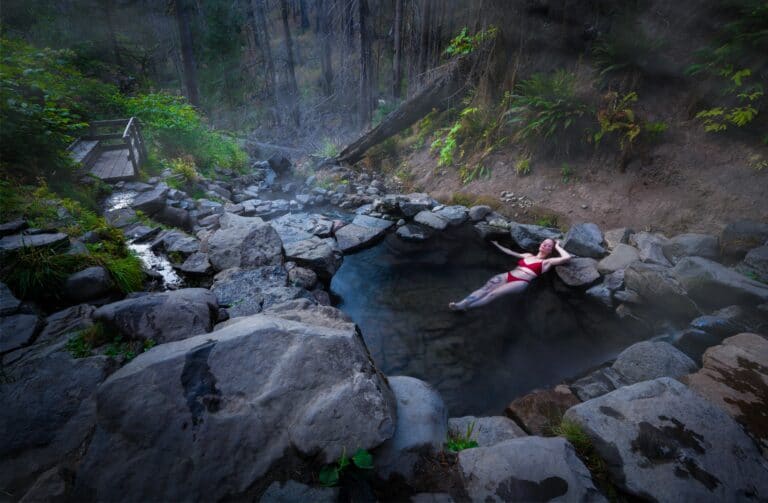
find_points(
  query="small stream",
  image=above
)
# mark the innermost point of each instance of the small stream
(398, 292)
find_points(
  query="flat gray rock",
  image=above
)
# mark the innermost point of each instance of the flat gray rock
(120, 217)
(66, 322)
(651, 248)
(306, 311)
(18, 330)
(244, 242)
(270, 390)
(8, 303)
(151, 201)
(657, 286)
(529, 237)
(620, 258)
(585, 240)
(413, 232)
(598, 383)
(294, 227)
(197, 264)
(248, 291)
(713, 285)
(618, 236)
(578, 271)
(16, 242)
(13, 227)
(691, 245)
(526, 469)
(648, 360)
(411, 204)
(431, 220)
(422, 428)
(455, 215)
(662, 441)
(162, 317)
(477, 213)
(486, 431)
(363, 231)
(320, 255)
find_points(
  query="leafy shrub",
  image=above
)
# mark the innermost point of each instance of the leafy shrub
(618, 120)
(458, 442)
(523, 166)
(626, 49)
(586, 451)
(545, 106)
(39, 272)
(330, 475)
(468, 174)
(329, 150)
(464, 43)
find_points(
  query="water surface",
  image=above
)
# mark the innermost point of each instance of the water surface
(398, 292)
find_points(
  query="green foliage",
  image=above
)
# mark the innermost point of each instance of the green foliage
(78, 347)
(127, 272)
(566, 171)
(545, 106)
(329, 150)
(523, 166)
(626, 49)
(176, 129)
(44, 103)
(757, 162)
(381, 111)
(474, 129)
(618, 120)
(468, 174)
(547, 221)
(330, 475)
(575, 434)
(39, 272)
(83, 342)
(458, 442)
(464, 43)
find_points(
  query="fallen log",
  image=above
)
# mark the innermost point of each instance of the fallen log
(450, 82)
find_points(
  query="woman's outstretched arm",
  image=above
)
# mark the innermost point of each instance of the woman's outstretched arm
(562, 259)
(508, 251)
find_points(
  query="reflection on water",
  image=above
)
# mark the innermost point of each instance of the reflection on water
(158, 264)
(398, 293)
(120, 200)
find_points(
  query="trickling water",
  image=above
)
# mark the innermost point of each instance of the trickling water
(398, 293)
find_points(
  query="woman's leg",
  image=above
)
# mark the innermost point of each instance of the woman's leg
(505, 289)
(480, 296)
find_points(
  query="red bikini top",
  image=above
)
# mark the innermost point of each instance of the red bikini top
(535, 267)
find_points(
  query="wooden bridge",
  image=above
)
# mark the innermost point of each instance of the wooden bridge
(113, 150)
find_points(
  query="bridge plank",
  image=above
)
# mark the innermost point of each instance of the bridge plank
(113, 165)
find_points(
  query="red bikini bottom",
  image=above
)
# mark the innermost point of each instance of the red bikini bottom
(512, 279)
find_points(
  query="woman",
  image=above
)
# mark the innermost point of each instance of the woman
(528, 268)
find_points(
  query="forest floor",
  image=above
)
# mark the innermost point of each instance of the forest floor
(690, 182)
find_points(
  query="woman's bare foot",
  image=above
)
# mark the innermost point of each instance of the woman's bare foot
(454, 306)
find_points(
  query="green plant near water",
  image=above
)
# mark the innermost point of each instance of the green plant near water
(458, 441)
(82, 343)
(523, 165)
(329, 149)
(575, 434)
(330, 475)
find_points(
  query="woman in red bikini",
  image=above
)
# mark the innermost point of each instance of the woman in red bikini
(528, 268)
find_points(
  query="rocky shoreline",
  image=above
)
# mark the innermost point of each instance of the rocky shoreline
(255, 381)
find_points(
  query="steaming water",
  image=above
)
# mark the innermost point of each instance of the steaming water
(398, 293)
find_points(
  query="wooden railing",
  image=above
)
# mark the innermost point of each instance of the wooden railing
(125, 133)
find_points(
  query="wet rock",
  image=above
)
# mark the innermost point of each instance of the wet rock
(648, 360)
(739, 237)
(488, 231)
(244, 242)
(529, 237)
(151, 201)
(755, 264)
(714, 286)
(276, 392)
(584, 240)
(455, 215)
(306, 311)
(578, 272)
(620, 258)
(658, 287)
(175, 217)
(602, 294)
(16, 242)
(141, 233)
(413, 232)
(422, 427)
(731, 320)
(292, 492)
(162, 317)
(248, 291)
(479, 212)
(302, 278)
(691, 245)
(47, 413)
(363, 231)
(197, 264)
(415, 203)
(280, 164)
(137, 186)
(598, 383)
(121, 217)
(89, 284)
(734, 377)
(8, 303)
(486, 431)
(431, 219)
(694, 342)
(321, 255)
(651, 248)
(13, 227)
(18, 330)
(66, 322)
(618, 236)
(526, 469)
(539, 411)
(662, 441)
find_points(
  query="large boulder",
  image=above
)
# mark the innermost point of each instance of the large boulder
(196, 264)
(244, 242)
(214, 413)
(66, 321)
(661, 441)
(422, 428)
(540, 410)
(89, 284)
(16, 242)
(47, 413)
(321, 255)
(659, 288)
(741, 236)
(306, 311)
(529, 237)
(300, 226)
(620, 258)
(18, 330)
(651, 247)
(691, 245)
(648, 360)
(526, 469)
(578, 271)
(598, 383)
(615, 237)
(479, 212)
(734, 377)
(755, 264)
(248, 291)
(162, 317)
(713, 285)
(362, 232)
(585, 240)
(486, 431)
(176, 217)
(151, 201)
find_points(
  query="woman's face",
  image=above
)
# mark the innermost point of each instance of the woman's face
(546, 246)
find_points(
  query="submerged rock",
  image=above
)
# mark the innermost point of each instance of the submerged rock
(275, 392)
(662, 441)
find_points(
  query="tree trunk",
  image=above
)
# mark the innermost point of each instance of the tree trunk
(426, 26)
(304, 15)
(396, 64)
(187, 52)
(364, 111)
(448, 86)
(261, 17)
(108, 7)
(326, 63)
(293, 89)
